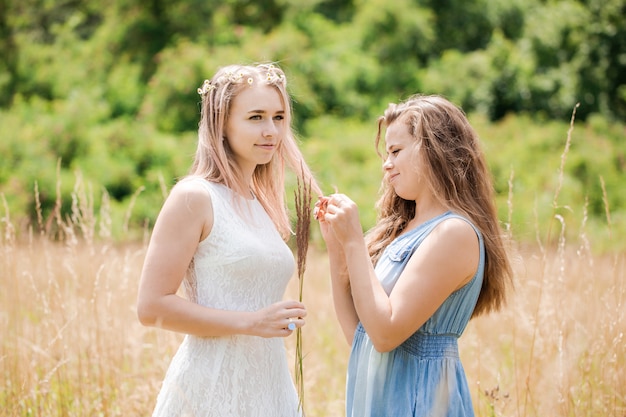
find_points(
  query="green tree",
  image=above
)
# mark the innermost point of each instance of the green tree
(8, 51)
(460, 24)
(602, 85)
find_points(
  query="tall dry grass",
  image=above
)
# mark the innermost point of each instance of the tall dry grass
(71, 344)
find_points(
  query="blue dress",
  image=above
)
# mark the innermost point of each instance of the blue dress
(424, 375)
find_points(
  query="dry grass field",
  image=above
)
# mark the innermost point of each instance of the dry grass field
(71, 344)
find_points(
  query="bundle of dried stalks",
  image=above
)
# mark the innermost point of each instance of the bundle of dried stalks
(303, 211)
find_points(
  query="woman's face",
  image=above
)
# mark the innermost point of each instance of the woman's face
(403, 166)
(255, 126)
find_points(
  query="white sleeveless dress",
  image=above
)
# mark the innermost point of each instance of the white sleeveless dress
(242, 265)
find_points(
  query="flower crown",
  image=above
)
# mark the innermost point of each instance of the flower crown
(206, 88)
(272, 77)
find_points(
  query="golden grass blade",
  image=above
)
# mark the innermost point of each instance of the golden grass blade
(303, 210)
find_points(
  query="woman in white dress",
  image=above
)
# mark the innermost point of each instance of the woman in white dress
(221, 234)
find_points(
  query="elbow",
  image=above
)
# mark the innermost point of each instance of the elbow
(146, 313)
(383, 343)
(381, 337)
(383, 346)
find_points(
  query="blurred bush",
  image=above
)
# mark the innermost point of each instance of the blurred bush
(107, 92)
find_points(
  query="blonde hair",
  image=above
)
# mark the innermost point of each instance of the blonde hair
(458, 177)
(213, 159)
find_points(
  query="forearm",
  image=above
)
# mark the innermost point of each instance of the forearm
(344, 308)
(371, 302)
(342, 297)
(177, 314)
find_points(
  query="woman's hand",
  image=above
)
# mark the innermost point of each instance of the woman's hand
(332, 244)
(342, 215)
(320, 208)
(339, 222)
(278, 320)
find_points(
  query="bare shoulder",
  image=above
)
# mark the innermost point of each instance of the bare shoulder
(443, 262)
(190, 203)
(456, 230)
(454, 247)
(191, 193)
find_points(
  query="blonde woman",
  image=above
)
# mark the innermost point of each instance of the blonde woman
(221, 234)
(404, 293)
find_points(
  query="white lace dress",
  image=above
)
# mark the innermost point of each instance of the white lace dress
(241, 265)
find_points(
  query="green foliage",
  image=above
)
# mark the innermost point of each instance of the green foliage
(108, 91)
(342, 153)
(527, 156)
(454, 14)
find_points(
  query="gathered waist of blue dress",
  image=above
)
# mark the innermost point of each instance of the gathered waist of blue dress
(428, 345)
(431, 345)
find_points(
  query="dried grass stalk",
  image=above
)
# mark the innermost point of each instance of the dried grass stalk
(303, 211)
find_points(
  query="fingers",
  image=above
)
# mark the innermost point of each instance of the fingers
(291, 308)
(331, 204)
(279, 319)
(290, 316)
(320, 208)
(293, 323)
(340, 200)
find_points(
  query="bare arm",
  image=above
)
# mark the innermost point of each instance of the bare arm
(340, 280)
(444, 262)
(185, 219)
(340, 284)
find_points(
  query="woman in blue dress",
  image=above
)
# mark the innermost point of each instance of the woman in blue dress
(405, 291)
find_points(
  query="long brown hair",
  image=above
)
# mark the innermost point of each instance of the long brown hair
(213, 159)
(458, 177)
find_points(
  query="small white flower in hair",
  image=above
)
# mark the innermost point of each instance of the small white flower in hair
(205, 88)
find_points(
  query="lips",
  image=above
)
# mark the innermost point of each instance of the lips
(267, 146)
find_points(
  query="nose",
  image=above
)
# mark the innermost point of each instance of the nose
(270, 130)
(387, 164)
